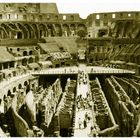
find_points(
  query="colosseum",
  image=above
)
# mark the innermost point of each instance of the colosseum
(64, 76)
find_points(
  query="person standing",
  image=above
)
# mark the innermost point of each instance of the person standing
(85, 123)
(79, 123)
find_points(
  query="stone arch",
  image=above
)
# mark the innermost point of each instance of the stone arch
(119, 29)
(9, 93)
(14, 89)
(3, 33)
(24, 62)
(127, 29)
(5, 30)
(50, 30)
(24, 30)
(19, 35)
(42, 30)
(30, 60)
(66, 29)
(20, 86)
(101, 33)
(73, 29)
(25, 83)
(15, 33)
(25, 53)
(11, 32)
(30, 52)
(36, 29)
(6, 27)
(13, 26)
(81, 27)
(31, 30)
(58, 30)
(72, 26)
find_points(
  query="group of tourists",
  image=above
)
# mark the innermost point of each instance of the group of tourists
(83, 103)
(83, 124)
(82, 78)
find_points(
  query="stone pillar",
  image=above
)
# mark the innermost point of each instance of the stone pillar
(2, 67)
(2, 34)
(15, 64)
(10, 35)
(62, 30)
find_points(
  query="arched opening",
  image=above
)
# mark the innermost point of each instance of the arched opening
(25, 53)
(25, 83)
(14, 89)
(19, 86)
(19, 35)
(81, 27)
(24, 62)
(42, 30)
(101, 33)
(30, 52)
(24, 30)
(50, 30)
(36, 59)
(66, 30)
(58, 30)
(30, 60)
(18, 49)
(30, 30)
(9, 93)
(28, 89)
(4, 33)
(36, 30)
(73, 29)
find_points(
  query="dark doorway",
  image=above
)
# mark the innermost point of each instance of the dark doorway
(19, 35)
(64, 132)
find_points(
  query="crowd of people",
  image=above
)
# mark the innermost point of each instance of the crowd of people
(83, 103)
(82, 77)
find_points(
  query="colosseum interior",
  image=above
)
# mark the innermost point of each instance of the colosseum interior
(64, 76)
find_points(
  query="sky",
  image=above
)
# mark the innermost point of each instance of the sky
(86, 7)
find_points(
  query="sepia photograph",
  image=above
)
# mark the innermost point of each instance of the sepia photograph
(70, 68)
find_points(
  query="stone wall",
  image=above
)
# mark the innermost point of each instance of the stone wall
(124, 114)
(20, 124)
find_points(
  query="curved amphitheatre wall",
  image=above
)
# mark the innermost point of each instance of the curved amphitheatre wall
(12, 83)
(20, 124)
